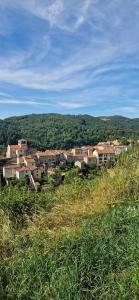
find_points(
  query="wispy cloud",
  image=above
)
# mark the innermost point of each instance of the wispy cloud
(18, 102)
(24, 101)
(81, 51)
(55, 12)
(71, 105)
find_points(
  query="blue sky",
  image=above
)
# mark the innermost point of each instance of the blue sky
(69, 56)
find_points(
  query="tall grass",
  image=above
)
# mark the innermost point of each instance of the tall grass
(101, 261)
(79, 242)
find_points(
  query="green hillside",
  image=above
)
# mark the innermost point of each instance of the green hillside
(60, 131)
(80, 241)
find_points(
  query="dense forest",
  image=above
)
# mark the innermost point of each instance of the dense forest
(66, 131)
(79, 241)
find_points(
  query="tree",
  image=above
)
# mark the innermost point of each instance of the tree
(56, 178)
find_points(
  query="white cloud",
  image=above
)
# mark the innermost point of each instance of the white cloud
(71, 105)
(72, 74)
(18, 101)
(23, 101)
(56, 12)
(53, 11)
(99, 55)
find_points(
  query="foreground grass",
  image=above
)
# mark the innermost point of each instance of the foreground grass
(100, 262)
(80, 242)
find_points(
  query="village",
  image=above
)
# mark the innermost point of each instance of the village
(23, 161)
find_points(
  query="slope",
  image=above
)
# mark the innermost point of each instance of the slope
(78, 242)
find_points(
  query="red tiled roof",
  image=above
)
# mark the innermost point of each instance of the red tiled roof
(53, 153)
(105, 151)
(87, 147)
(29, 158)
(45, 154)
(67, 153)
(16, 147)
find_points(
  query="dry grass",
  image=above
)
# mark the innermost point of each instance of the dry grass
(77, 203)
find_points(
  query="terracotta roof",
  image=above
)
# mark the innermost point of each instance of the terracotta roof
(29, 158)
(45, 154)
(105, 151)
(16, 147)
(67, 153)
(87, 147)
(53, 153)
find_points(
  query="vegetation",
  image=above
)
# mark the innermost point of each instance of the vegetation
(79, 241)
(65, 131)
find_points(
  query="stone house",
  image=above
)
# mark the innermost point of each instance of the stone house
(103, 156)
(48, 157)
(17, 150)
(22, 172)
(29, 161)
(76, 151)
(36, 172)
(87, 150)
(9, 171)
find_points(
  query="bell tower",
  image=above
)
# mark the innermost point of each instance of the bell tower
(23, 145)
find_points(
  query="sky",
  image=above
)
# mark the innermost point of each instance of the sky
(69, 57)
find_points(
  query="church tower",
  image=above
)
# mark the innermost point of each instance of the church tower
(23, 146)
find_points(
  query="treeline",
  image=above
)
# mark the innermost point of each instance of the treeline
(66, 131)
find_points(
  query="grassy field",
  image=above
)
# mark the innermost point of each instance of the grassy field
(78, 242)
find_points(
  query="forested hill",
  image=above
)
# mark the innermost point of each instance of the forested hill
(58, 131)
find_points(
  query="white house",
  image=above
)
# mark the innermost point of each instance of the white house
(9, 171)
(17, 150)
(103, 156)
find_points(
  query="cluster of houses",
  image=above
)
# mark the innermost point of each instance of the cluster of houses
(23, 161)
